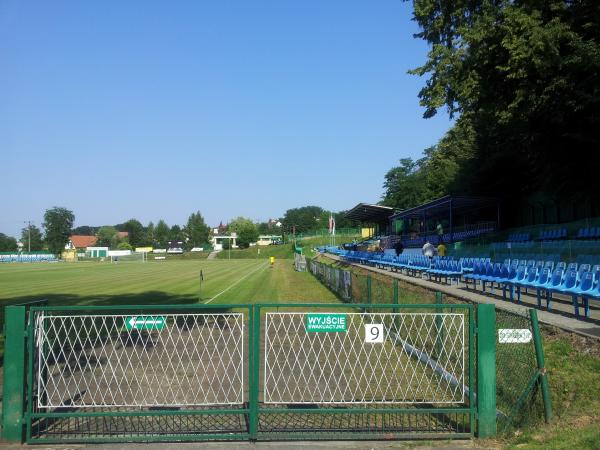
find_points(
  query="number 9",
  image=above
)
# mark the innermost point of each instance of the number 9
(374, 331)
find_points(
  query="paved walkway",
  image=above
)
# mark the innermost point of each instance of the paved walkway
(561, 315)
(213, 254)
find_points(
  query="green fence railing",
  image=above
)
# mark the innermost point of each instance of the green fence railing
(266, 372)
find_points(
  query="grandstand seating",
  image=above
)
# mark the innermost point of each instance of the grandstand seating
(552, 235)
(588, 233)
(7, 257)
(519, 237)
(545, 275)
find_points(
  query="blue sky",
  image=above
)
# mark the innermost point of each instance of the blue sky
(157, 109)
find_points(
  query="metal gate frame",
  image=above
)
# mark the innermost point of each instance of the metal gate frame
(476, 416)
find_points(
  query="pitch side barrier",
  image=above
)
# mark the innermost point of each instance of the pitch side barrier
(248, 372)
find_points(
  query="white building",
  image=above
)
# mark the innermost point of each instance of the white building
(217, 240)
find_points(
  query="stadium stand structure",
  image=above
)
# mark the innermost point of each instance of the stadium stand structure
(447, 219)
(11, 257)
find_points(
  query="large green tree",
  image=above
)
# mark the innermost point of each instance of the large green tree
(137, 233)
(32, 238)
(406, 185)
(58, 223)
(150, 234)
(7, 243)
(522, 77)
(107, 236)
(306, 218)
(85, 230)
(176, 234)
(161, 234)
(196, 231)
(246, 231)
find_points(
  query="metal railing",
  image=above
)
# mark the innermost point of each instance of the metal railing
(238, 372)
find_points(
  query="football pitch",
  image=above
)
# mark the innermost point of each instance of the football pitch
(160, 282)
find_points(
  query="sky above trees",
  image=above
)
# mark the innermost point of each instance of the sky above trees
(150, 110)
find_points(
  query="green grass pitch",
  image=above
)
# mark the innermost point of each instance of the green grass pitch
(160, 282)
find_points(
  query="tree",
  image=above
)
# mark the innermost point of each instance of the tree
(32, 238)
(107, 236)
(85, 230)
(137, 234)
(7, 243)
(58, 223)
(522, 77)
(150, 234)
(161, 234)
(245, 230)
(405, 186)
(176, 234)
(263, 228)
(303, 219)
(196, 231)
(124, 245)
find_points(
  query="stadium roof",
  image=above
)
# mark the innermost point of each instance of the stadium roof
(365, 212)
(443, 205)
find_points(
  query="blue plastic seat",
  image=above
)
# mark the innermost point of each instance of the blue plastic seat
(584, 289)
(514, 274)
(541, 283)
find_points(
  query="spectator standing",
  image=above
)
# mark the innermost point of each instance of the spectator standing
(429, 250)
(440, 230)
(441, 248)
(399, 248)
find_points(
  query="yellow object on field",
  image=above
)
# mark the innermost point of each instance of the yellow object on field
(272, 260)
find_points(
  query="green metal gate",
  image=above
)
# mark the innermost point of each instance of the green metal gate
(247, 372)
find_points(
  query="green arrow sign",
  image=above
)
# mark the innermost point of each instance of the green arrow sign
(145, 323)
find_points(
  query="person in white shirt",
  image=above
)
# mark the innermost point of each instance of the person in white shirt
(429, 250)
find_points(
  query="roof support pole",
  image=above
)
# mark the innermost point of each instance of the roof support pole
(451, 232)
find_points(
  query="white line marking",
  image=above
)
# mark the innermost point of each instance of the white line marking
(238, 281)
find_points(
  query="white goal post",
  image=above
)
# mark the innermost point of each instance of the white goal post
(141, 256)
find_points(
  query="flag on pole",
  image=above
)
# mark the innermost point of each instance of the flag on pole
(331, 224)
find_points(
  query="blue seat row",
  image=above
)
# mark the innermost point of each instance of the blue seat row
(550, 235)
(544, 277)
(519, 237)
(588, 233)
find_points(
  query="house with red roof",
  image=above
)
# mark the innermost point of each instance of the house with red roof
(80, 242)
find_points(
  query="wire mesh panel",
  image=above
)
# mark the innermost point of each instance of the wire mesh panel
(369, 358)
(167, 360)
(516, 370)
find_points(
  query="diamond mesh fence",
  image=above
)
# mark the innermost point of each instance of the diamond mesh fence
(378, 358)
(98, 376)
(518, 398)
(166, 374)
(122, 360)
(355, 287)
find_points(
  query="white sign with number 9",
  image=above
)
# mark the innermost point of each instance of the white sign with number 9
(374, 333)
